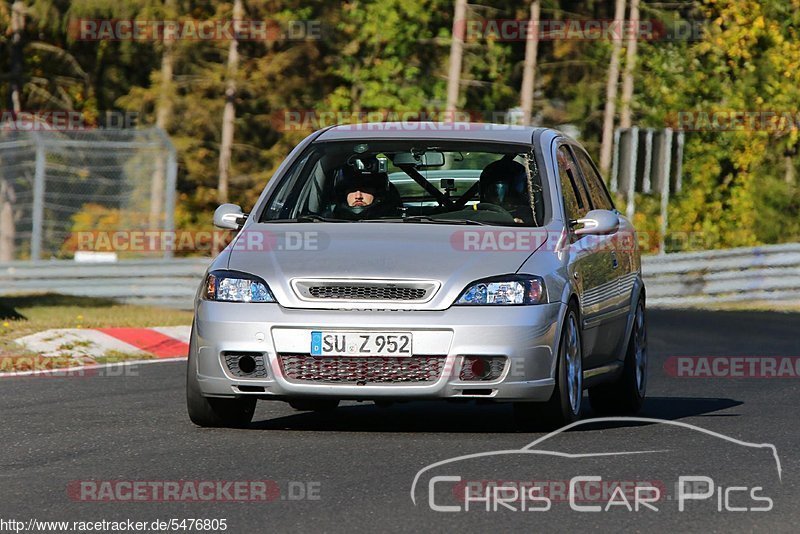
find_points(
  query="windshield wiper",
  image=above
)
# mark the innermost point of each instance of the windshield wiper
(308, 218)
(427, 219)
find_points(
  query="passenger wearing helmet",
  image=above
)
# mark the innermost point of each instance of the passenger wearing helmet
(360, 194)
(504, 183)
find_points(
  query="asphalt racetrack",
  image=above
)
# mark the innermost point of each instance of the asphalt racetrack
(67, 440)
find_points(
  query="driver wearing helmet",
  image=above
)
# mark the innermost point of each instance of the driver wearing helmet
(360, 195)
(504, 183)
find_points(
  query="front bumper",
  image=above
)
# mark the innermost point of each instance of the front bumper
(526, 335)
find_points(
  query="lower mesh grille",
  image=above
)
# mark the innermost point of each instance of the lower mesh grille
(342, 369)
(231, 362)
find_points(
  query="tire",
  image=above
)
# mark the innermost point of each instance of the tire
(314, 405)
(564, 405)
(214, 412)
(626, 394)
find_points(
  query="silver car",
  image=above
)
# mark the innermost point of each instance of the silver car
(395, 262)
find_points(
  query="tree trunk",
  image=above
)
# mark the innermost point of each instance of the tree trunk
(229, 115)
(630, 64)
(529, 72)
(17, 27)
(163, 117)
(456, 52)
(7, 194)
(611, 93)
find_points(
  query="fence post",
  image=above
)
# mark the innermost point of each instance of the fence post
(666, 153)
(632, 162)
(648, 160)
(679, 139)
(38, 199)
(169, 194)
(615, 162)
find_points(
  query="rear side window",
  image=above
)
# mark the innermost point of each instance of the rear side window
(575, 202)
(597, 191)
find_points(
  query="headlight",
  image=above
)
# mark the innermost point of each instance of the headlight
(505, 290)
(236, 287)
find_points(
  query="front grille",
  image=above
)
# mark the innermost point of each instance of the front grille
(366, 292)
(231, 362)
(363, 370)
(344, 290)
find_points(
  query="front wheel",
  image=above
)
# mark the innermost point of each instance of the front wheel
(565, 403)
(212, 412)
(625, 395)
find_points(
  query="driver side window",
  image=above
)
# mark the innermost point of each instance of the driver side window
(576, 204)
(281, 204)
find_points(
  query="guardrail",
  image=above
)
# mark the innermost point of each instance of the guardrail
(170, 283)
(768, 273)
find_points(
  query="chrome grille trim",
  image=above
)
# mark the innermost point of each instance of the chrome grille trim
(348, 290)
(360, 369)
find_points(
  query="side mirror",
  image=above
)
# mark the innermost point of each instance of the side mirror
(229, 216)
(598, 222)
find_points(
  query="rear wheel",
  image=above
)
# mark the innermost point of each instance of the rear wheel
(213, 412)
(626, 394)
(565, 403)
(314, 405)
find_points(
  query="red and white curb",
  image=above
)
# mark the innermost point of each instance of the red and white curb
(166, 343)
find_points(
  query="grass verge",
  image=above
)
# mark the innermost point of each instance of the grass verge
(21, 315)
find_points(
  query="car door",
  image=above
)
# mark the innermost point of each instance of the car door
(591, 264)
(623, 272)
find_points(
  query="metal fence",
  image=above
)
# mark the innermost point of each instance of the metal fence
(647, 161)
(770, 274)
(148, 282)
(54, 183)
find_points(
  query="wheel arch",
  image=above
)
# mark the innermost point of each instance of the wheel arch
(637, 292)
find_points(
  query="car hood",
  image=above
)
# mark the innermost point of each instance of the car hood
(451, 255)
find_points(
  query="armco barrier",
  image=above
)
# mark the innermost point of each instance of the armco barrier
(171, 283)
(767, 273)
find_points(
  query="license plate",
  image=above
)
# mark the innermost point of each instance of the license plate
(360, 343)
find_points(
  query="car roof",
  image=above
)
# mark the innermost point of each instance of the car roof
(464, 131)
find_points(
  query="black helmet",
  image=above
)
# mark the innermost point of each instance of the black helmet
(350, 179)
(504, 182)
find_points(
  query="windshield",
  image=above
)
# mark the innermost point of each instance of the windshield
(411, 181)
